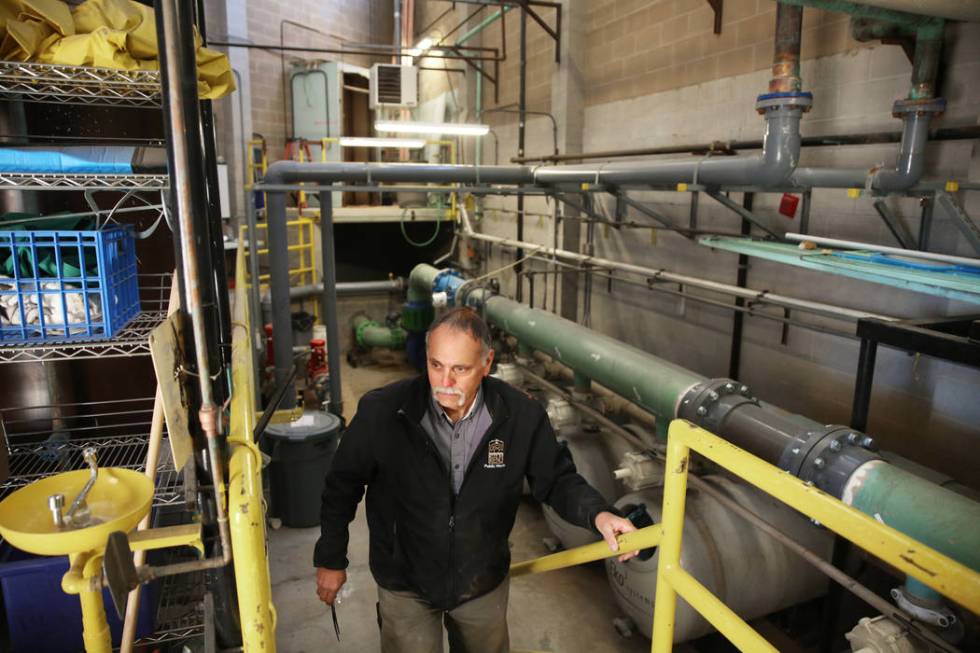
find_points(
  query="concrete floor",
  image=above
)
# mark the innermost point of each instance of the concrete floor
(570, 611)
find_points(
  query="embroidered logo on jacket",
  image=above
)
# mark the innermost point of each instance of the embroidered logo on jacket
(495, 454)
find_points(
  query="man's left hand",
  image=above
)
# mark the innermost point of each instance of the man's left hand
(609, 526)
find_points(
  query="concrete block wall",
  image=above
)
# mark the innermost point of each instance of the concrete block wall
(339, 21)
(924, 409)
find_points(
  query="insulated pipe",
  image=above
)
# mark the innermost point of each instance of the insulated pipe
(836, 458)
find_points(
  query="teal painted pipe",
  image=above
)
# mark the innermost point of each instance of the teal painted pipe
(946, 521)
(369, 333)
(651, 382)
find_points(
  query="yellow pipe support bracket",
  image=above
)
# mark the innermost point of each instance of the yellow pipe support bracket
(645, 538)
(166, 537)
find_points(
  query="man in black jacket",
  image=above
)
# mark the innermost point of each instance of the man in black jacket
(444, 457)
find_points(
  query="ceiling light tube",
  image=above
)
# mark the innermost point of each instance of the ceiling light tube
(454, 128)
(365, 141)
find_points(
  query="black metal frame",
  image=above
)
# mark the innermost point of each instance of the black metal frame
(955, 339)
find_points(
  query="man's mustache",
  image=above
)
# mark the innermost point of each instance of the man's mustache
(442, 390)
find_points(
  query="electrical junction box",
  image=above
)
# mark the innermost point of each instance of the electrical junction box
(394, 86)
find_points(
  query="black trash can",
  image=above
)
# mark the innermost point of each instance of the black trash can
(301, 452)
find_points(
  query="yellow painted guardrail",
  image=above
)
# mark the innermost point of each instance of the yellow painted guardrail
(246, 508)
(304, 273)
(943, 574)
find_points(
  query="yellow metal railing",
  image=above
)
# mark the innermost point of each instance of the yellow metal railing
(943, 574)
(304, 272)
(246, 509)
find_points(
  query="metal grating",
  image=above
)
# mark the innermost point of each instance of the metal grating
(180, 614)
(17, 181)
(131, 341)
(37, 82)
(117, 429)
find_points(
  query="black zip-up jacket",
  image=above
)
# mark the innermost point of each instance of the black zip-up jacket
(445, 547)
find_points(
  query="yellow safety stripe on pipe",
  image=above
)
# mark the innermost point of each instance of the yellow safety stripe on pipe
(943, 574)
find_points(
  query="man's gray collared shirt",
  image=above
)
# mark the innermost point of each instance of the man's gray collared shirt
(457, 442)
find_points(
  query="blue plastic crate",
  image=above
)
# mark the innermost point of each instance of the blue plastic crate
(85, 282)
(43, 619)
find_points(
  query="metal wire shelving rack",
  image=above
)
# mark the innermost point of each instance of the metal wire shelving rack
(132, 182)
(131, 341)
(37, 82)
(45, 440)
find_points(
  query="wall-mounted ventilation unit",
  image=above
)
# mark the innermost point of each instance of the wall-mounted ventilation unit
(394, 86)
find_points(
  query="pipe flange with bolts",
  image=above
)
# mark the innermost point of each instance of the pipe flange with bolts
(707, 404)
(789, 99)
(935, 106)
(835, 457)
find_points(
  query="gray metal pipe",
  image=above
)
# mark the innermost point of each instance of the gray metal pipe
(395, 285)
(282, 330)
(906, 173)
(329, 301)
(780, 154)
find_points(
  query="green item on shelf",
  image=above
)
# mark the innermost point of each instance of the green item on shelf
(47, 265)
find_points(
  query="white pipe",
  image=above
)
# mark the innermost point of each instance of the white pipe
(695, 282)
(911, 253)
(968, 10)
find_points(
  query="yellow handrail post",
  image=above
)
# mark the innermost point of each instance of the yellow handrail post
(675, 497)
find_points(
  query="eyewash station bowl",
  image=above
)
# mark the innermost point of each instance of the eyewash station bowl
(74, 514)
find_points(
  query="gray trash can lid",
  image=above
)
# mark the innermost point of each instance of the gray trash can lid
(313, 425)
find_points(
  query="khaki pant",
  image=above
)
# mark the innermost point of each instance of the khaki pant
(410, 625)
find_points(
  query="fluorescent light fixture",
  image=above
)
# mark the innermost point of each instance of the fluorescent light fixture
(364, 141)
(454, 128)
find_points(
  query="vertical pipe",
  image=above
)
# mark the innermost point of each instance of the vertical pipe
(282, 333)
(329, 305)
(521, 125)
(925, 62)
(692, 220)
(925, 222)
(741, 279)
(863, 384)
(786, 53)
(805, 212)
(178, 69)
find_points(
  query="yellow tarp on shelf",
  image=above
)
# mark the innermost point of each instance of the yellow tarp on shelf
(102, 33)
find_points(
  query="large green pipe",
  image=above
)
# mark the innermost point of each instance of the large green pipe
(369, 333)
(946, 521)
(940, 518)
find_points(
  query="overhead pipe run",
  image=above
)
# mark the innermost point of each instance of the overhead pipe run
(837, 459)
(345, 288)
